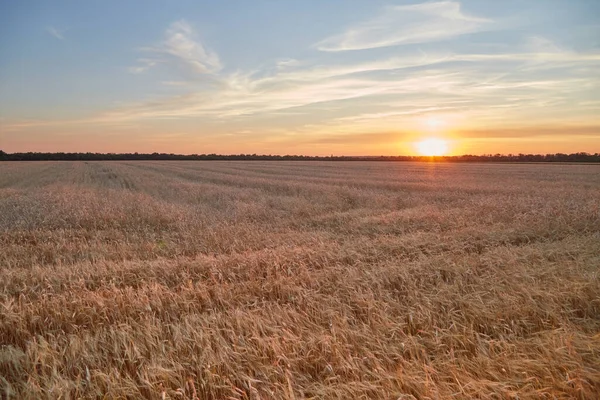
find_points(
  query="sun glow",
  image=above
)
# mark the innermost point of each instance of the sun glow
(434, 123)
(432, 147)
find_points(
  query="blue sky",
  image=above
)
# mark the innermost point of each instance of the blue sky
(310, 77)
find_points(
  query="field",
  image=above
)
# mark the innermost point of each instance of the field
(293, 280)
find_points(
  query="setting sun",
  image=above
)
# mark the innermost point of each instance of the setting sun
(433, 147)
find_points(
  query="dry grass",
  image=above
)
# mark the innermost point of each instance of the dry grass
(258, 280)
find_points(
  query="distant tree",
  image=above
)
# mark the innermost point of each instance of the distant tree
(558, 157)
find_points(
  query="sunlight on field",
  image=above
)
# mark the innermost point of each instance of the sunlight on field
(273, 280)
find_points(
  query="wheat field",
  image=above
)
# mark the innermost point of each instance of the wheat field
(298, 280)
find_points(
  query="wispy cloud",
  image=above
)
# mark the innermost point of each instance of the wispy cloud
(182, 44)
(288, 62)
(570, 131)
(418, 23)
(144, 64)
(310, 74)
(181, 47)
(59, 34)
(434, 82)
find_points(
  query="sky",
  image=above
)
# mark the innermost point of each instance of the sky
(342, 77)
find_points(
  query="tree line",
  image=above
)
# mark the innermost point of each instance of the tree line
(557, 157)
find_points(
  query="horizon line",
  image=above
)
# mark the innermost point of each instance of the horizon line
(133, 156)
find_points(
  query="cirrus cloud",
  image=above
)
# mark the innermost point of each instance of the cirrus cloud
(417, 23)
(181, 47)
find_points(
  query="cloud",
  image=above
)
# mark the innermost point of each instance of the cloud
(407, 111)
(182, 48)
(295, 84)
(397, 25)
(335, 71)
(454, 88)
(144, 65)
(181, 44)
(536, 51)
(570, 131)
(288, 62)
(244, 96)
(55, 32)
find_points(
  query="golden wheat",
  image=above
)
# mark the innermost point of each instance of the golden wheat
(268, 280)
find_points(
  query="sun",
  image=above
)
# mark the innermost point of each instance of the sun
(433, 147)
